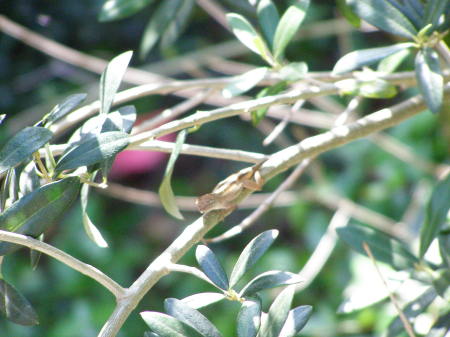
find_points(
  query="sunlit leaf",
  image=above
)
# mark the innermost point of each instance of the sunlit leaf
(211, 266)
(91, 230)
(245, 32)
(411, 311)
(376, 88)
(289, 23)
(249, 318)
(244, 82)
(201, 300)
(270, 279)
(296, 320)
(15, 306)
(35, 212)
(278, 313)
(390, 63)
(429, 78)
(251, 254)
(191, 317)
(165, 189)
(119, 9)
(268, 19)
(167, 326)
(359, 58)
(96, 149)
(62, 109)
(22, 145)
(384, 247)
(111, 78)
(382, 14)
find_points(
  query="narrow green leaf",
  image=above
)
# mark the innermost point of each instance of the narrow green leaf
(434, 9)
(211, 266)
(111, 78)
(177, 24)
(62, 109)
(244, 82)
(270, 279)
(357, 59)
(289, 23)
(165, 190)
(377, 88)
(158, 24)
(268, 19)
(40, 209)
(251, 254)
(411, 311)
(390, 63)
(296, 320)
(294, 71)
(201, 300)
(22, 145)
(91, 230)
(258, 115)
(35, 255)
(436, 214)
(429, 78)
(96, 149)
(15, 306)
(245, 32)
(278, 313)
(381, 14)
(384, 247)
(191, 317)
(119, 9)
(442, 326)
(167, 326)
(347, 13)
(249, 318)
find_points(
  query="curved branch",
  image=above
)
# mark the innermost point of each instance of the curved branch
(65, 258)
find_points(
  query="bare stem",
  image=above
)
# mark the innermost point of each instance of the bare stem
(65, 258)
(402, 316)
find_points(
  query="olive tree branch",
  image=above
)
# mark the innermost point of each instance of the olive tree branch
(65, 258)
(277, 163)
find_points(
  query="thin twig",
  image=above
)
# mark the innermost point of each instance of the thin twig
(323, 250)
(172, 112)
(186, 149)
(402, 316)
(65, 258)
(264, 206)
(214, 10)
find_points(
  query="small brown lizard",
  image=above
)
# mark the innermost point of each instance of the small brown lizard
(226, 192)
